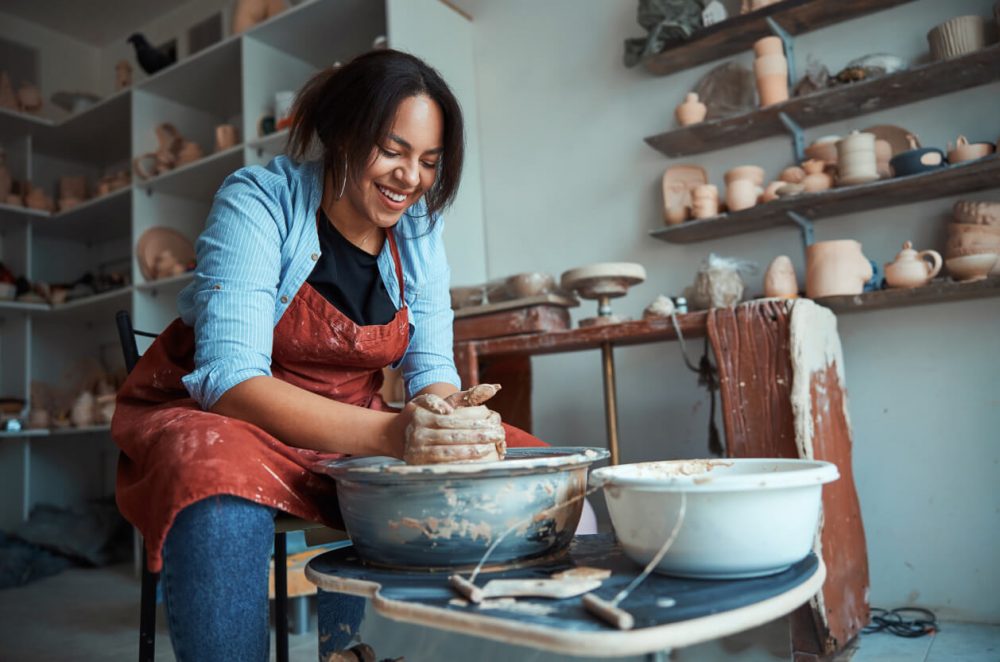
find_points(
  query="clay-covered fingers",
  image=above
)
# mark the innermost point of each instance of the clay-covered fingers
(422, 436)
(474, 396)
(432, 403)
(452, 453)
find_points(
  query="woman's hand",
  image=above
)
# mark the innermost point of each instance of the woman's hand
(453, 429)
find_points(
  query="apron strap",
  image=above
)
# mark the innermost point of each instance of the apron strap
(390, 235)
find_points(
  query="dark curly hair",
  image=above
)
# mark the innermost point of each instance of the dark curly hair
(349, 110)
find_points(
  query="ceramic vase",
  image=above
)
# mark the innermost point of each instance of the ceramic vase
(770, 69)
(691, 111)
(741, 194)
(780, 280)
(835, 268)
(816, 179)
(957, 36)
(856, 162)
(705, 201)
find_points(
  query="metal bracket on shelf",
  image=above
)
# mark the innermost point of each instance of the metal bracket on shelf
(805, 225)
(789, 44)
(798, 139)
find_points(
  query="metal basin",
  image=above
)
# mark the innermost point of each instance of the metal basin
(447, 516)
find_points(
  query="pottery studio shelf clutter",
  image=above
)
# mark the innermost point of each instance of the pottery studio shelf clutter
(837, 103)
(737, 34)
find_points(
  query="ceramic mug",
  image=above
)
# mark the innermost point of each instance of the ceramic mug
(741, 194)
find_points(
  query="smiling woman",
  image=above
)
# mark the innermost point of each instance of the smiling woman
(314, 273)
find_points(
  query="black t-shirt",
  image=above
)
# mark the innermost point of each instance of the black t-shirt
(349, 278)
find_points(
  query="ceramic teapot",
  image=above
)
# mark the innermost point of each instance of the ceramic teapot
(911, 269)
(836, 268)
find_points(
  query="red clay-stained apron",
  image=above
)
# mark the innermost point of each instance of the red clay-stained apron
(174, 453)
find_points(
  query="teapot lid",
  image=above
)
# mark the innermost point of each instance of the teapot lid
(907, 252)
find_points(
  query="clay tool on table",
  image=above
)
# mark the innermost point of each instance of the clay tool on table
(609, 611)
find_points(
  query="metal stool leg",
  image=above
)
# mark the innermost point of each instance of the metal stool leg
(300, 614)
(280, 597)
(147, 612)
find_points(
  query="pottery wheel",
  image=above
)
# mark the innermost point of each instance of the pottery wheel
(604, 280)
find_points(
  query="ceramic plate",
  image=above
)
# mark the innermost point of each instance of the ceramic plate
(157, 239)
(894, 135)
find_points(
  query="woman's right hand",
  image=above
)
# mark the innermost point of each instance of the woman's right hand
(438, 432)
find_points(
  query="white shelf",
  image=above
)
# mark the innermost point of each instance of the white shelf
(324, 32)
(97, 135)
(95, 220)
(23, 433)
(18, 210)
(105, 303)
(164, 283)
(20, 307)
(208, 80)
(273, 142)
(199, 179)
(14, 124)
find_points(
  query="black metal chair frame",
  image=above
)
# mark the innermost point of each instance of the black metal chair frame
(147, 604)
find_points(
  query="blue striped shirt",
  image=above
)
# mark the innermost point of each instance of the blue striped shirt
(259, 246)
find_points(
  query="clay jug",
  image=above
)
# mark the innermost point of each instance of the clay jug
(780, 280)
(911, 269)
(836, 268)
(770, 69)
(815, 179)
(691, 111)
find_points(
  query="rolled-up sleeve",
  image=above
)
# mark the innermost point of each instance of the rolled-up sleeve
(430, 356)
(231, 301)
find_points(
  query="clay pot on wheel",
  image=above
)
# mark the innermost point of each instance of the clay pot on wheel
(836, 268)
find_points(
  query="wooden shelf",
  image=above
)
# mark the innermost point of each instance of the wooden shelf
(737, 34)
(936, 292)
(838, 103)
(962, 178)
(692, 325)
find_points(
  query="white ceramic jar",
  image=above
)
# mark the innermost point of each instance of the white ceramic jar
(856, 161)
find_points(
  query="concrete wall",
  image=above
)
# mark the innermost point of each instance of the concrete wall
(569, 181)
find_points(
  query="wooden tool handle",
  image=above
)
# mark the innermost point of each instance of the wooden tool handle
(607, 612)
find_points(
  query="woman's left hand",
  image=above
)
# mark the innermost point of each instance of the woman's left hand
(440, 432)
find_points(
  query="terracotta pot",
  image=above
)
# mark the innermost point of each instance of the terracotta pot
(190, 151)
(957, 36)
(823, 149)
(771, 191)
(911, 269)
(836, 268)
(705, 201)
(780, 280)
(691, 111)
(977, 212)
(792, 175)
(772, 88)
(816, 179)
(770, 69)
(29, 98)
(963, 150)
(741, 194)
(883, 154)
(226, 136)
(768, 46)
(751, 172)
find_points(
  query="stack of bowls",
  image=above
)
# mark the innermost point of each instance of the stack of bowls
(973, 249)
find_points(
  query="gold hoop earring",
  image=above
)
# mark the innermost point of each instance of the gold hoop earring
(343, 185)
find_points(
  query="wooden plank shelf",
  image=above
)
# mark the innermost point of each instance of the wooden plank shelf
(692, 325)
(936, 292)
(951, 180)
(844, 101)
(737, 34)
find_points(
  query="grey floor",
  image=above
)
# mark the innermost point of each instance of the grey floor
(92, 615)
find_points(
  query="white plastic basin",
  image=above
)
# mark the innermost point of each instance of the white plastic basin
(743, 517)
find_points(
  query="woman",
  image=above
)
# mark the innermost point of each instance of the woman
(312, 276)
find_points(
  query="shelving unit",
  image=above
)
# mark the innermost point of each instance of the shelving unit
(738, 33)
(921, 82)
(936, 292)
(961, 178)
(231, 82)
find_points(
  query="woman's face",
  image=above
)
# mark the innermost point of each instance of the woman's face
(404, 167)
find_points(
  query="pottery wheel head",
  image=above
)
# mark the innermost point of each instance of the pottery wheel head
(606, 279)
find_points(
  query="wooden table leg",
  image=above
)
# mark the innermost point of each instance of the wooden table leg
(513, 372)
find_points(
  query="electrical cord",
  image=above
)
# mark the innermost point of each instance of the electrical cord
(909, 622)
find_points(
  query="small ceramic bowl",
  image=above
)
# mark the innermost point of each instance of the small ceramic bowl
(971, 267)
(970, 152)
(522, 286)
(914, 161)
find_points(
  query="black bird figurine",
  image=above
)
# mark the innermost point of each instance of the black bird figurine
(150, 59)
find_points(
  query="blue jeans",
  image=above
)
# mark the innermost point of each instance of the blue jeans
(215, 579)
